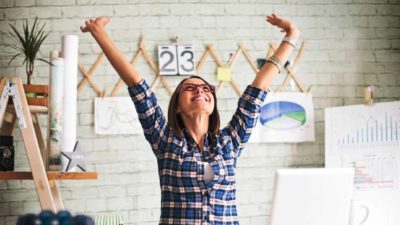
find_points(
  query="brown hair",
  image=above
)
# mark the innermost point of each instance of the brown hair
(175, 120)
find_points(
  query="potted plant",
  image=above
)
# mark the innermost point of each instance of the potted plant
(27, 44)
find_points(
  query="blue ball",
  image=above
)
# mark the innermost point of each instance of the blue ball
(83, 220)
(28, 219)
(64, 217)
(48, 217)
(46, 214)
(64, 214)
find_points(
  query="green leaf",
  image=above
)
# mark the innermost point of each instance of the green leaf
(46, 61)
(12, 59)
(27, 43)
(20, 38)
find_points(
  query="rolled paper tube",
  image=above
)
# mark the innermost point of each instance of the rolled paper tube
(54, 141)
(70, 54)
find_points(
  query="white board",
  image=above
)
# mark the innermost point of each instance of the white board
(116, 115)
(285, 117)
(186, 65)
(167, 60)
(367, 138)
(176, 60)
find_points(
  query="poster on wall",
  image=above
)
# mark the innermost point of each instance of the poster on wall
(116, 115)
(365, 137)
(285, 117)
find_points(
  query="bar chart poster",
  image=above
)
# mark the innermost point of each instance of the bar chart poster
(367, 138)
(285, 117)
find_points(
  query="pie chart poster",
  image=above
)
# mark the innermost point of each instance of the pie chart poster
(285, 117)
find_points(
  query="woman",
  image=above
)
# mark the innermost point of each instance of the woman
(196, 160)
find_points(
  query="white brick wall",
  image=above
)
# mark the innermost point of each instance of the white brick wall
(350, 44)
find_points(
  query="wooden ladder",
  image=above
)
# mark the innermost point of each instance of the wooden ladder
(45, 182)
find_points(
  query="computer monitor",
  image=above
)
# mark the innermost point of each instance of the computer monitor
(319, 196)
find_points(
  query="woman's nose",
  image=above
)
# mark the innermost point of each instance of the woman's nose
(199, 89)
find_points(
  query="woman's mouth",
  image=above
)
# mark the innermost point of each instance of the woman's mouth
(200, 98)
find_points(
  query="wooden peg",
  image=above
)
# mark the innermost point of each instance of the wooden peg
(214, 55)
(249, 58)
(234, 58)
(203, 59)
(88, 75)
(368, 95)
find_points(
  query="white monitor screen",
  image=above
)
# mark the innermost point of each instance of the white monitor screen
(318, 196)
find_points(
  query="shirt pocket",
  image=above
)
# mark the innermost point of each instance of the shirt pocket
(224, 171)
(187, 171)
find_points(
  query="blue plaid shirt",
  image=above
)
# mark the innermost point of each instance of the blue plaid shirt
(185, 197)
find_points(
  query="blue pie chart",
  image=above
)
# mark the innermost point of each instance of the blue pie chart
(282, 115)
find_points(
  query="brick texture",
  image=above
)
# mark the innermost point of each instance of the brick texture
(350, 44)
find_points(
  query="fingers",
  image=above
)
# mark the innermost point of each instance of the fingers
(273, 16)
(272, 19)
(104, 20)
(85, 28)
(94, 23)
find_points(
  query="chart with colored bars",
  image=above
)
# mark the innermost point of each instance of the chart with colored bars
(367, 138)
(380, 132)
(373, 171)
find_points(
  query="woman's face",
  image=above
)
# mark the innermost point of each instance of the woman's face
(195, 97)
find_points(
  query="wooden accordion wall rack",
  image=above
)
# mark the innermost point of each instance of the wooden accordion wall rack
(209, 51)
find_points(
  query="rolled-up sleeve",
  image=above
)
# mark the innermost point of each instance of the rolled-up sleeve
(151, 117)
(244, 120)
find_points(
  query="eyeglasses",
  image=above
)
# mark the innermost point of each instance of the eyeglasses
(194, 87)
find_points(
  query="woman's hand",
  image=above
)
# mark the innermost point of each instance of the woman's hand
(95, 25)
(285, 25)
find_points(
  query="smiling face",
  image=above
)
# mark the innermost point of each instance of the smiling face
(195, 97)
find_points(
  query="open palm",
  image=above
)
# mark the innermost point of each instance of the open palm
(95, 24)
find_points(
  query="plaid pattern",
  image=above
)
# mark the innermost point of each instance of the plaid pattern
(185, 197)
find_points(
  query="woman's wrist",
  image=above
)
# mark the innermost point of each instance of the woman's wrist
(292, 36)
(97, 31)
(293, 33)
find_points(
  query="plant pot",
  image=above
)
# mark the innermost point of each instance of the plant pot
(37, 94)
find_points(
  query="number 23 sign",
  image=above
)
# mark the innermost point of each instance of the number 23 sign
(176, 60)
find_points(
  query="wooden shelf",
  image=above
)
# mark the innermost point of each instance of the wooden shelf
(51, 175)
(32, 108)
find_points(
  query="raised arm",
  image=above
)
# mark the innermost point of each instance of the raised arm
(271, 68)
(125, 70)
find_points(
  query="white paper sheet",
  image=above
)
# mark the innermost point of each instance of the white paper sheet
(54, 146)
(116, 115)
(285, 117)
(367, 138)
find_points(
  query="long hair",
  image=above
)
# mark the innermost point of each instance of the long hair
(175, 120)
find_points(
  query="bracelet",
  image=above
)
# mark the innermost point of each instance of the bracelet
(276, 62)
(290, 41)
